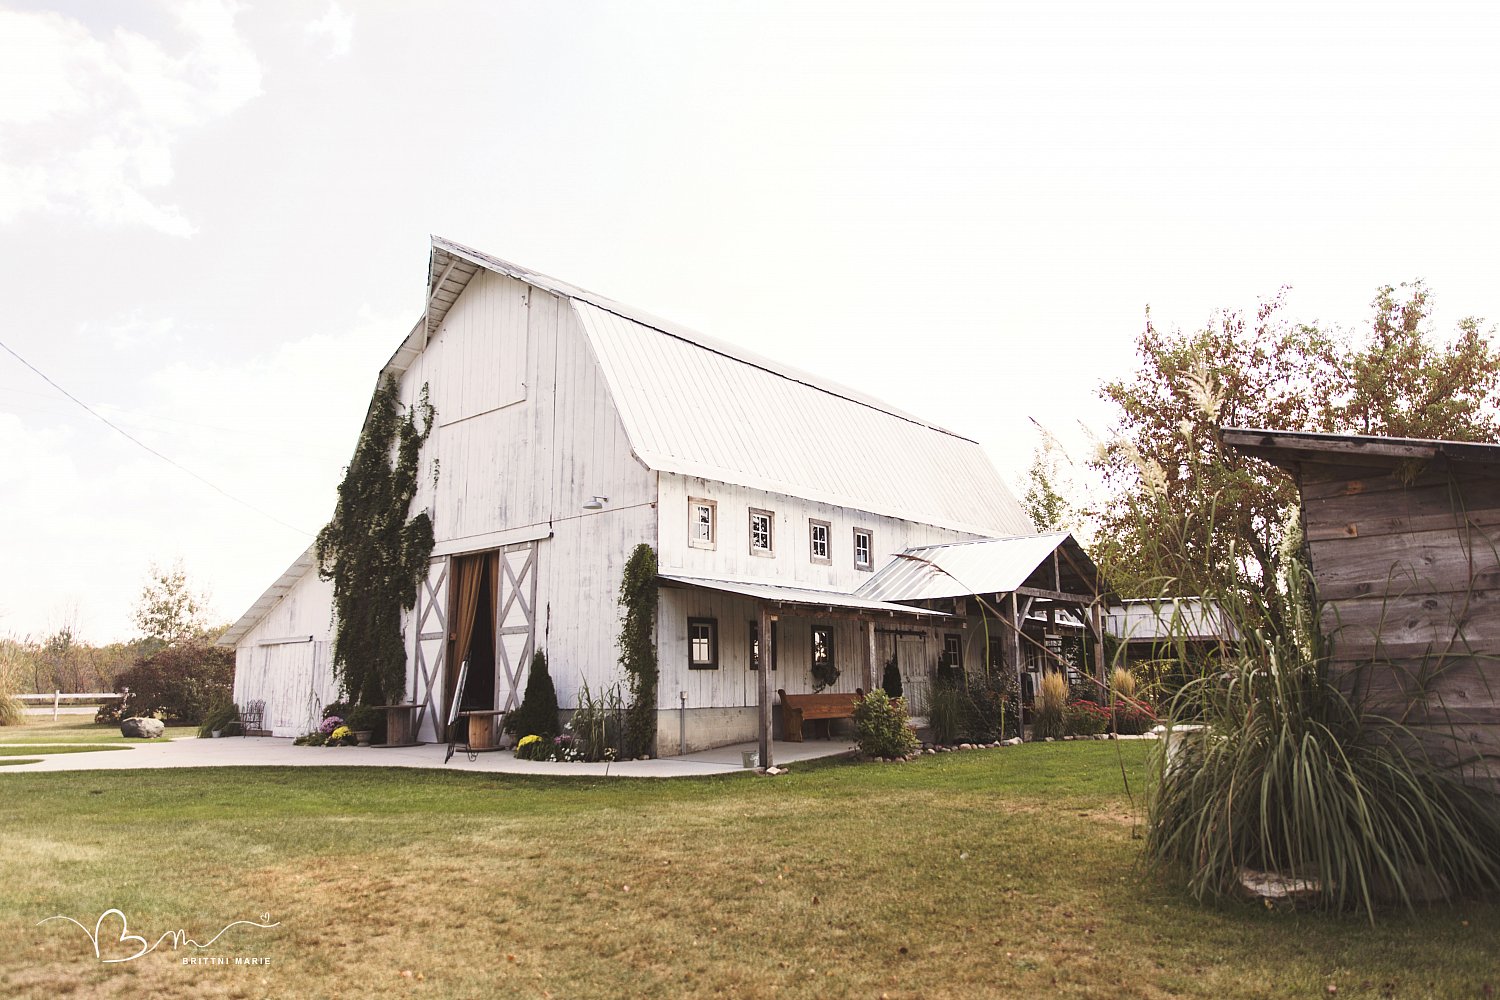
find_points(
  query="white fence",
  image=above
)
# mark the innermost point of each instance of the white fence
(58, 697)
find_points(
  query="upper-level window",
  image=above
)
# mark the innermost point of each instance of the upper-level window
(817, 533)
(762, 539)
(703, 526)
(864, 548)
(703, 643)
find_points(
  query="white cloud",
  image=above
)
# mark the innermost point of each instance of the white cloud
(132, 330)
(88, 122)
(335, 30)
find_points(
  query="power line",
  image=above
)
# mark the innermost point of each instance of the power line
(141, 444)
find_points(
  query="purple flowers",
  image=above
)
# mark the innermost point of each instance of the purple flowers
(328, 725)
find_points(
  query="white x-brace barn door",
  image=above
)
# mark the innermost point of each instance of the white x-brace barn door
(431, 617)
(515, 622)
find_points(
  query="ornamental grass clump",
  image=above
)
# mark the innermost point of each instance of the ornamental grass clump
(1051, 702)
(1288, 775)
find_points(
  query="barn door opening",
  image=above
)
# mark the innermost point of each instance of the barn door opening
(472, 636)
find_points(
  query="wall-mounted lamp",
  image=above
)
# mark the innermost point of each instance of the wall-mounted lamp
(596, 504)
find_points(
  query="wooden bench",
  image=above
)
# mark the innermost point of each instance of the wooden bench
(798, 708)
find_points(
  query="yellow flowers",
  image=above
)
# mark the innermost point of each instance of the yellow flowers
(339, 733)
(526, 741)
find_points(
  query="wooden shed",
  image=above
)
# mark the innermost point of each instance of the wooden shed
(1404, 542)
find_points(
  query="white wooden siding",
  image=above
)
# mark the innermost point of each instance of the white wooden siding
(791, 563)
(294, 679)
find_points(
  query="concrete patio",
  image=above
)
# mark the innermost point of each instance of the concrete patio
(279, 752)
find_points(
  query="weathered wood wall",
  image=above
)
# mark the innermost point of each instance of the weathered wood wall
(1408, 574)
(293, 678)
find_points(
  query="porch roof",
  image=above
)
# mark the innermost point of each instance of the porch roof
(800, 596)
(985, 566)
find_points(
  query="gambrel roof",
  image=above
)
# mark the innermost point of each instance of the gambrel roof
(696, 406)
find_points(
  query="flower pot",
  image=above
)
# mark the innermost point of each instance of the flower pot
(748, 758)
(216, 733)
(362, 738)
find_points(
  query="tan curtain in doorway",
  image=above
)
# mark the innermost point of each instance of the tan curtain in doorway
(468, 575)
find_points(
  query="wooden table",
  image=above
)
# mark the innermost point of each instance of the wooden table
(400, 725)
(484, 730)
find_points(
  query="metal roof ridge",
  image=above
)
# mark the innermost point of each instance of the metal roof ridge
(986, 541)
(688, 335)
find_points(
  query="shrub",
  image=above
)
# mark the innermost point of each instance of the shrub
(179, 683)
(638, 595)
(533, 747)
(947, 711)
(342, 709)
(223, 717)
(881, 728)
(992, 708)
(890, 681)
(1051, 699)
(367, 719)
(538, 710)
(1085, 718)
(1131, 715)
(11, 711)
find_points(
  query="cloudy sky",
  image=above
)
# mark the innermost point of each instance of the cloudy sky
(214, 218)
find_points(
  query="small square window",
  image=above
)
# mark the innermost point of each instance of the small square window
(755, 645)
(703, 643)
(762, 532)
(864, 548)
(703, 523)
(817, 536)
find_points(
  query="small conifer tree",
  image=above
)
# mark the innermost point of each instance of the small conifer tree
(890, 681)
(537, 715)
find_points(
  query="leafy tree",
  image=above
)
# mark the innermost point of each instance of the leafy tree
(638, 649)
(177, 683)
(168, 610)
(1183, 514)
(376, 556)
(1044, 504)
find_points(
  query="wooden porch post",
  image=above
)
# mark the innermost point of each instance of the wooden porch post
(869, 677)
(1015, 653)
(1096, 616)
(763, 684)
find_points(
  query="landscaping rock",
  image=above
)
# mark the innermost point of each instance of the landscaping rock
(1277, 890)
(148, 729)
(1014, 741)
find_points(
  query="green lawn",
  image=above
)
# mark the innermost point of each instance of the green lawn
(1010, 873)
(80, 729)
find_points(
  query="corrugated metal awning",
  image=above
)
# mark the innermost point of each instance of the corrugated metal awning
(797, 595)
(990, 566)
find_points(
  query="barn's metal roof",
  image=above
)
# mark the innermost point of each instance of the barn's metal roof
(300, 567)
(1188, 618)
(698, 406)
(988, 566)
(799, 596)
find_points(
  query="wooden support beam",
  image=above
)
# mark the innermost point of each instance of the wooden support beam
(427, 307)
(1015, 652)
(870, 657)
(1082, 600)
(763, 684)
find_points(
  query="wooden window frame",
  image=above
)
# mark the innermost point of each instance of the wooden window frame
(770, 516)
(826, 559)
(958, 638)
(712, 663)
(713, 523)
(868, 565)
(754, 640)
(813, 644)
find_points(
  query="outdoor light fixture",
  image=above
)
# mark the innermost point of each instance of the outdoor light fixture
(596, 504)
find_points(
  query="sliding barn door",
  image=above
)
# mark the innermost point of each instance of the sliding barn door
(515, 622)
(431, 617)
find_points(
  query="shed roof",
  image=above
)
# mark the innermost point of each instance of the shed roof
(300, 567)
(987, 566)
(802, 596)
(1290, 447)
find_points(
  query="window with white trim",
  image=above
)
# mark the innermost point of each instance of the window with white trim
(762, 532)
(953, 649)
(703, 643)
(703, 523)
(864, 548)
(817, 541)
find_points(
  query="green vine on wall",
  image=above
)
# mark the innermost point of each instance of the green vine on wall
(638, 649)
(376, 556)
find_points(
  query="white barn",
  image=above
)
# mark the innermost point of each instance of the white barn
(569, 428)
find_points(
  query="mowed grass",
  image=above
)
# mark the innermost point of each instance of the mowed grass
(1007, 873)
(81, 729)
